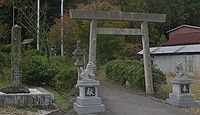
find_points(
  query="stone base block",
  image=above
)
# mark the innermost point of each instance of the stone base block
(183, 104)
(89, 109)
(88, 83)
(186, 97)
(88, 101)
(187, 100)
(38, 97)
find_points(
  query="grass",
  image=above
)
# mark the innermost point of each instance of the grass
(101, 73)
(165, 89)
(62, 103)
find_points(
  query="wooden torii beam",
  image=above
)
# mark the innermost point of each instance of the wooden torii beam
(121, 16)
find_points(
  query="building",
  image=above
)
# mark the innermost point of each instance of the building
(183, 47)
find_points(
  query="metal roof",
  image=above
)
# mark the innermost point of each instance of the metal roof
(174, 49)
(185, 38)
(189, 26)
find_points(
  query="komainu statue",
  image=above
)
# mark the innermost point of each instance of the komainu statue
(180, 72)
(89, 73)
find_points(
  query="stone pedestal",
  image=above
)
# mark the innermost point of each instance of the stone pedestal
(88, 101)
(181, 95)
(38, 97)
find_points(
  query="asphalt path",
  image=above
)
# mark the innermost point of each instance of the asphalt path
(121, 101)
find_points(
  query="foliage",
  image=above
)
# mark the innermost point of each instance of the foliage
(130, 51)
(26, 18)
(108, 47)
(66, 79)
(55, 72)
(131, 5)
(4, 30)
(68, 34)
(132, 71)
(62, 103)
(35, 71)
(2, 2)
(4, 57)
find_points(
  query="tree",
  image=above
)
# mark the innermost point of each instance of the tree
(4, 36)
(2, 2)
(26, 18)
(108, 47)
(69, 36)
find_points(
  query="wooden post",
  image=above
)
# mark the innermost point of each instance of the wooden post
(146, 57)
(93, 41)
(16, 55)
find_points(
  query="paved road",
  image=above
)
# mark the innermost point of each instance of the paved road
(120, 101)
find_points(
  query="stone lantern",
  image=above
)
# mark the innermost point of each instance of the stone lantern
(79, 54)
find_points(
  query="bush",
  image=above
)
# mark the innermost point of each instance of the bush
(66, 79)
(35, 71)
(5, 59)
(121, 71)
(55, 72)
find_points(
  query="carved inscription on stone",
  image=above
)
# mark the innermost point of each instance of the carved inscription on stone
(89, 91)
(16, 55)
(185, 88)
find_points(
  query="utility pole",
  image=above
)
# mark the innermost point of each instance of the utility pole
(61, 30)
(38, 24)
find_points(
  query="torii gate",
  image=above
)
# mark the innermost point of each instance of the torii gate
(121, 16)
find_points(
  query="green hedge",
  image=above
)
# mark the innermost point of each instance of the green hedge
(121, 71)
(55, 72)
(5, 59)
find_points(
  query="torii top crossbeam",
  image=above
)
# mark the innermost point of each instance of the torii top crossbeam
(123, 16)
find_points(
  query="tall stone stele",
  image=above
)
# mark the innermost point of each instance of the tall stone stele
(181, 95)
(16, 55)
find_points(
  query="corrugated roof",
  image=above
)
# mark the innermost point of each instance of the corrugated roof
(189, 26)
(186, 38)
(174, 49)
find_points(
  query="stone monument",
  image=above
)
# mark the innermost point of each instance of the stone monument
(18, 94)
(88, 101)
(181, 95)
(16, 55)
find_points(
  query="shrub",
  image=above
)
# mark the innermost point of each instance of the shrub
(35, 71)
(55, 72)
(132, 71)
(66, 79)
(5, 61)
(5, 56)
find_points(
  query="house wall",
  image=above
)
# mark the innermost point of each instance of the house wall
(182, 31)
(167, 63)
(196, 64)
